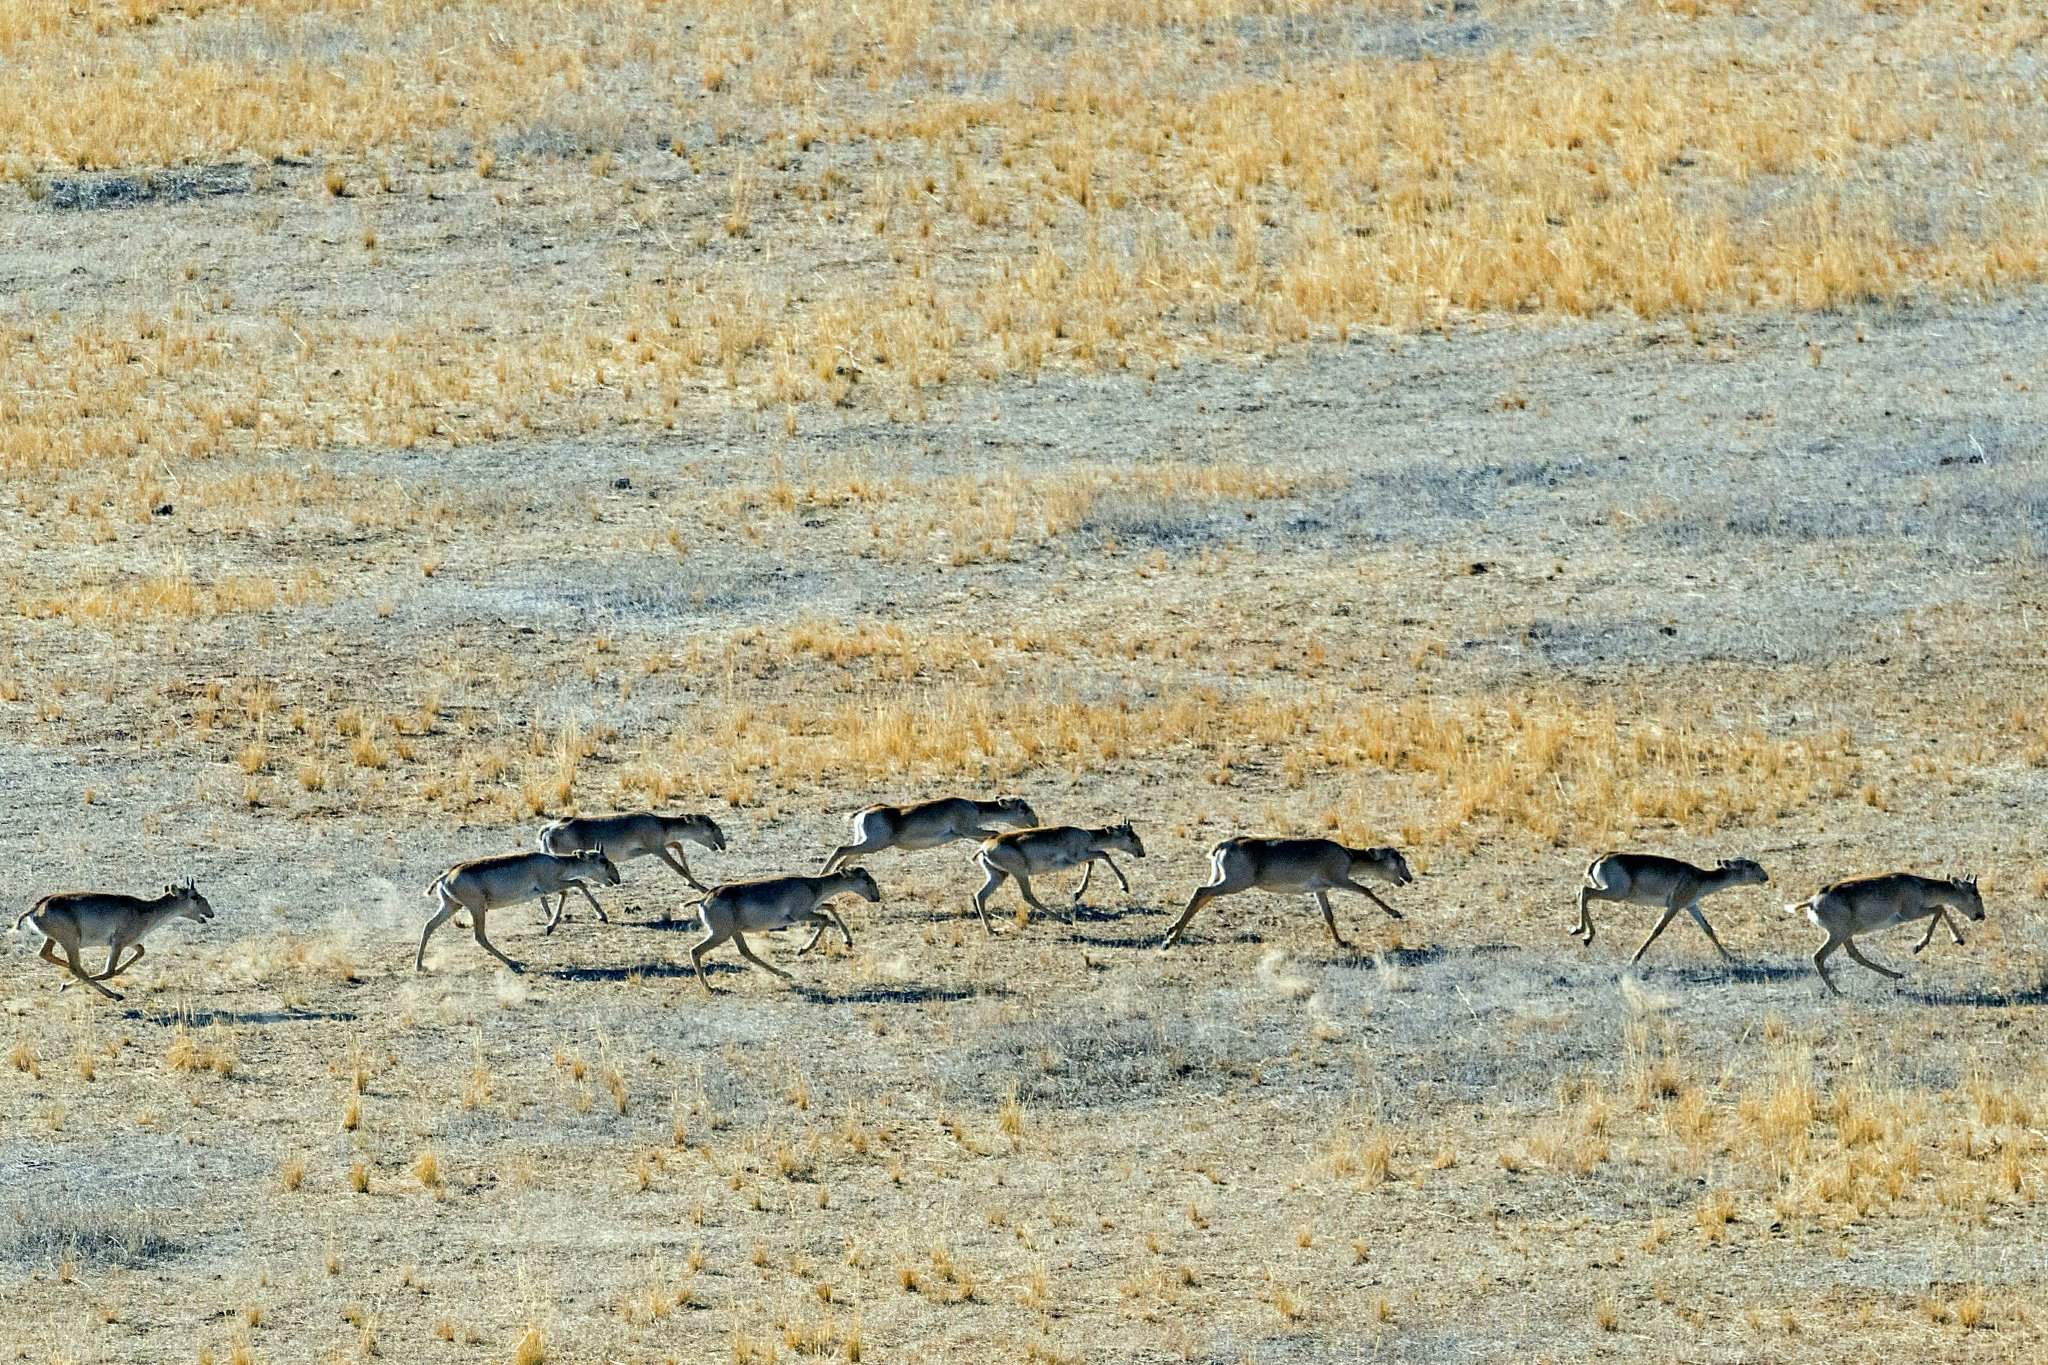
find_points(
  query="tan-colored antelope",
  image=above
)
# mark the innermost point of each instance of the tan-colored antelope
(928, 824)
(1295, 867)
(1858, 906)
(485, 884)
(74, 920)
(1673, 885)
(636, 835)
(765, 904)
(1027, 853)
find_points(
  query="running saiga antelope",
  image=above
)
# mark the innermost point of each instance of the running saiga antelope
(765, 904)
(928, 824)
(73, 920)
(1858, 906)
(1295, 867)
(485, 884)
(1648, 879)
(637, 835)
(1027, 853)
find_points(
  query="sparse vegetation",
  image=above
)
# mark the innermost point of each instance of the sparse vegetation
(1504, 431)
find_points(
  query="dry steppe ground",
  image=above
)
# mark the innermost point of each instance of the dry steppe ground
(1507, 430)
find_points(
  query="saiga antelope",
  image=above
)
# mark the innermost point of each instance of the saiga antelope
(765, 904)
(73, 920)
(1295, 867)
(928, 824)
(1862, 904)
(1649, 879)
(637, 835)
(485, 884)
(1026, 853)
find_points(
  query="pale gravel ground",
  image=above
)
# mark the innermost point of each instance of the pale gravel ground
(1656, 513)
(1796, 524)
(1807, 507)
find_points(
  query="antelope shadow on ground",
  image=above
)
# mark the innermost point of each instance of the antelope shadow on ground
(906, 994)
(1978, 999)
(650, 970)
(1748, 973)
(208, 1018)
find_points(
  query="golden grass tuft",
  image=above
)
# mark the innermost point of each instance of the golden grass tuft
(1362, 1153)
(188, 1052)
(1713, 1214)
(479, 1086)
(1010, 1116)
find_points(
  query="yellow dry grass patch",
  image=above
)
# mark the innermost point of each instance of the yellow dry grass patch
(866, 704)
(173, 594)
(1540, 765)
(133, 94)
(1151, 192)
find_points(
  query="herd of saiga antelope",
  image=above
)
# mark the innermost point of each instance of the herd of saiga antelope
(575, 852)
